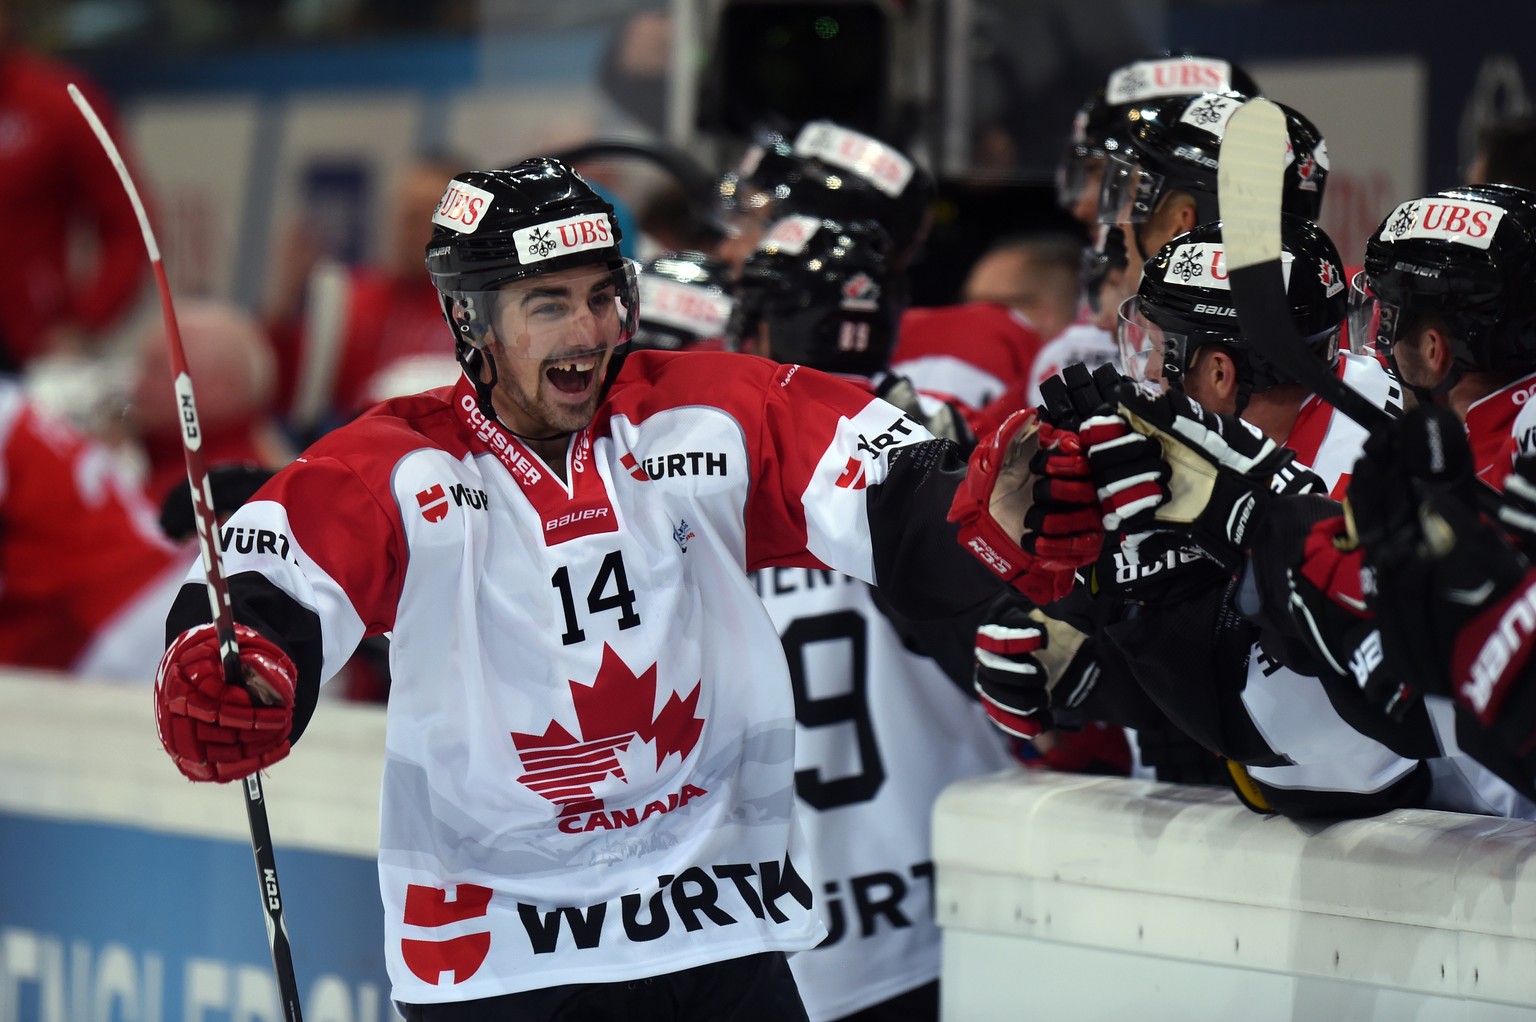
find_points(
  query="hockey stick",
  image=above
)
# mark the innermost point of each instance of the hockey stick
(218, 588)
(1249, 189)
(1248, 185)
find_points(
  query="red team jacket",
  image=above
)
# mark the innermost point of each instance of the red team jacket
(969, 352)
(80, 551)
(54, 176)
(590, 765)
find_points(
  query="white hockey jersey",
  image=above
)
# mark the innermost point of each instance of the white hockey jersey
(880, 732)
(589, 771)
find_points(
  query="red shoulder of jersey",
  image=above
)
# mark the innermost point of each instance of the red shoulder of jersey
(991, 337)
(340, 498)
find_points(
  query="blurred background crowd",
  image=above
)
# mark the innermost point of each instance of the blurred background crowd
(291, 154)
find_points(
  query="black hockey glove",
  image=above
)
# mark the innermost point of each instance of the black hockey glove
(231, 485)
(1075, 395)
(1031, 669)
(1129, 474)
(1331, 597)
(1517, 511)
(1221, 476)
(940, 418)
(1437, 562)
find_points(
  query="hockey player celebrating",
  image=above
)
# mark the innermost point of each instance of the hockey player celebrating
(882, 730)
(1103, 123)
(590, 753)
(1305, 750)
(1447, 297)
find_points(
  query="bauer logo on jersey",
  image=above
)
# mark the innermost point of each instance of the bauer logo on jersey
(462, 207)
(1460, 221)
(698, 310)
(1154, 79)
(869, 158)
(621, 743)
(1205, 266)
(1211, 113)
(563, 237)
(790, 235)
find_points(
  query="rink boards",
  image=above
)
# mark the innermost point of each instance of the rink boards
(130, 894)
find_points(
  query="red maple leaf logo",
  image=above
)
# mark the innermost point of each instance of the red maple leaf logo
(612, 712)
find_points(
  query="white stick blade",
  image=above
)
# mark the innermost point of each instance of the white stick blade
(1249, 183)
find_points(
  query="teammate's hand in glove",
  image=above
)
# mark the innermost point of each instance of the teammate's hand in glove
(1414, 508)
(219, 732)
(1027, 507)
(1220, 471)
(1026, 664)
(1331, 599)
(1075, 394)
(231, 486)
(1517, 511)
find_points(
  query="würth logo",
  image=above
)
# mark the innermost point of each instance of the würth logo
(433, 502)
(461, 956)
(676, 463)
(853, 477)
(620, 736)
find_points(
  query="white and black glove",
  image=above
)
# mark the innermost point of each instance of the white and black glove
(1221, 474)
(1030, 669)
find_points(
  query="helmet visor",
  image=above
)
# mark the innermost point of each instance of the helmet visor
(1150, 355)
(1129, 192)
(1372, 322)
(563, 314)
(1080, 173)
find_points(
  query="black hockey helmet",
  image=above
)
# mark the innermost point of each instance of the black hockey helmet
(685, 302)
(848, 176)
(824, 289)
(1175, 146)
(1466, 255)
(762, 176)
(1103, 123)
(1185, 302)
(494, 228)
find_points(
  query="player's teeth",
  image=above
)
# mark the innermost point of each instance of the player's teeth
(578, 367)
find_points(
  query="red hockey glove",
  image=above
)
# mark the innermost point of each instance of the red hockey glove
(213, 731)
(1027, 508)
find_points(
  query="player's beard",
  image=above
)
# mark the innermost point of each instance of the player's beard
(536, 408)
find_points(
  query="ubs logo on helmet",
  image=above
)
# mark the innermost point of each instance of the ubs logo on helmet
(462, 207)
(563, 237)
(1462, 222)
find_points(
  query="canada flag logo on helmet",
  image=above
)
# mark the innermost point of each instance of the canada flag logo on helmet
(1332, 282)
(1307, 171)
(860, 293)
